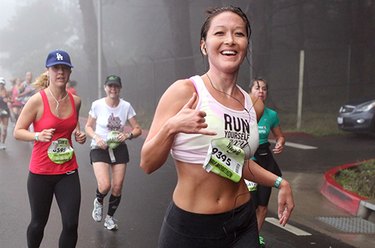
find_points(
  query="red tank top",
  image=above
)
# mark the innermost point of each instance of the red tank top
(40, 163)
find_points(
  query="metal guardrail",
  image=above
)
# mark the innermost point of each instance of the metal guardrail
(366, 208)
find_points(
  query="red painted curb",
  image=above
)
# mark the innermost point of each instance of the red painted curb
(339, 196)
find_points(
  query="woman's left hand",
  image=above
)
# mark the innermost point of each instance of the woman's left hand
(121, 137)
(80, 137)
(278, 148)
(285, 202)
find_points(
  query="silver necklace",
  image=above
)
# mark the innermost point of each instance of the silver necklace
(57, 101)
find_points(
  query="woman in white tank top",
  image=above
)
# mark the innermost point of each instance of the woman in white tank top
(209, 125)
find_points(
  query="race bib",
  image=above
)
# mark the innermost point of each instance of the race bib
(225, 159)
(60, 151)
(112, 140)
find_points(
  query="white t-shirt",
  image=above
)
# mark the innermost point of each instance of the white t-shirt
(108, 118)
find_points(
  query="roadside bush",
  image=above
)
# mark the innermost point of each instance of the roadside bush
(359, 179)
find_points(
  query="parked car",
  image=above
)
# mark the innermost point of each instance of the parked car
(357, 116)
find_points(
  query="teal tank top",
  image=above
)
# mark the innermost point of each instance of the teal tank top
(267, 122)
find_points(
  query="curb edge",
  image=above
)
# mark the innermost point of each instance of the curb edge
(339, 196)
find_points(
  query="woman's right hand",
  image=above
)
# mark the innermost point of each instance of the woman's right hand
(190, 120)
(100, 142)
(175, 114)
(46, 135)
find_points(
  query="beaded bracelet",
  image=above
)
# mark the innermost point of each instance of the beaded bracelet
(278, 182)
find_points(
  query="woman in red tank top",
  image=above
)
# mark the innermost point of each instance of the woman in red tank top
(53, 169)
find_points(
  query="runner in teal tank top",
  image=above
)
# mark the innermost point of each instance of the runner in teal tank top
(269, 122)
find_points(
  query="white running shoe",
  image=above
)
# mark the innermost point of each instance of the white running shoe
(110, 224)
(97, 212)
(2, 146)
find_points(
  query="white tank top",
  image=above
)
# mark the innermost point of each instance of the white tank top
(239, 126)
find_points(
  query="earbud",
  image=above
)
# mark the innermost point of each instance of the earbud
(204, 51)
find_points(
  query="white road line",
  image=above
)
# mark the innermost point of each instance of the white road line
(296, 145)
(287, 227)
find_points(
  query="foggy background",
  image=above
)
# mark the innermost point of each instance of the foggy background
(152, 43)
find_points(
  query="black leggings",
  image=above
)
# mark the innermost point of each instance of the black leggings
(67, 191)
(234, 229)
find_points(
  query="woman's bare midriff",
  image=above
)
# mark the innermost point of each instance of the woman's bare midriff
(198, 191)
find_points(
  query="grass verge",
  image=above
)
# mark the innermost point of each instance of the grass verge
(359, 179)
(317, 124)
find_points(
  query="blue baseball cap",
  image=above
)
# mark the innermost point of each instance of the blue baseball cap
(58, 57)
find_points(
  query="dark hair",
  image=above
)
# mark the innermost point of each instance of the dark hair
(211, 13)
(258, 79)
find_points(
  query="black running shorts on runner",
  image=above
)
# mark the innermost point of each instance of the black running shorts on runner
(121, 154)
(4, 112)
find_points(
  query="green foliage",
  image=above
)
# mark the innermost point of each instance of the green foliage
(318, 124)
(359, 179)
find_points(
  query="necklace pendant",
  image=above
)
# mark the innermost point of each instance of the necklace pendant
(57, 101)
(57, 110)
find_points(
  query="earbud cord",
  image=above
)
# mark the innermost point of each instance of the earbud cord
(248, 111)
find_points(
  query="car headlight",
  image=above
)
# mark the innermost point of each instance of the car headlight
(367, 106)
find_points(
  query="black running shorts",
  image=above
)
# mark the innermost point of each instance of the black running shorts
(121, 155)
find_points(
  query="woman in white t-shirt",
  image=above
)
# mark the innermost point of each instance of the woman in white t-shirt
(109, 153)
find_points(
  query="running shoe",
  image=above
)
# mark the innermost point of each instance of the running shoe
(262, 242)
(97, 212)
(110, 224)
(2, 146)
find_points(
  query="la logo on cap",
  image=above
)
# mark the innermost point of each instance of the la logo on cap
(59, 56)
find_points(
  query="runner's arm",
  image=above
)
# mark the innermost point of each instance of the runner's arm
(280, 139)
(90, 130)
(32, 111)
(255, 173)
(136, 128)
(79, 136)
(174, 114)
